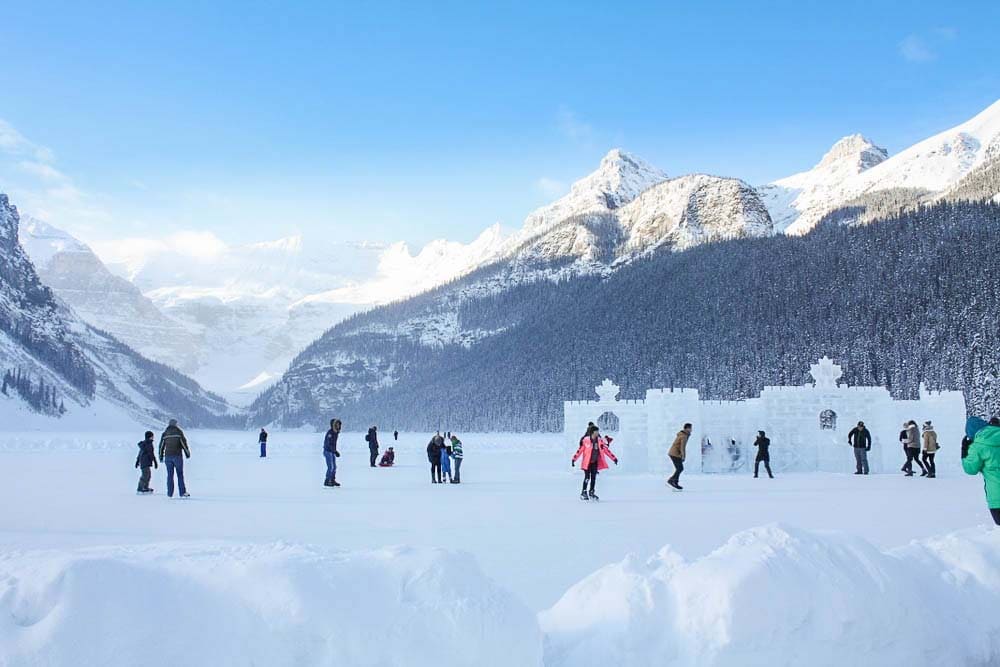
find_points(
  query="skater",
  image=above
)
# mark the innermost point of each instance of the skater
(172, 445)
(262, 439)
(395, 436)
(912, 447)
(388, 459)
(372, 440)
(434, 448)
(677, 454)
(762, 443)
(446, 461)
(145, 459)
(458, 455)
(930, 448)
(861, 440)
(330, 453)
(983, 456)
(592, 452)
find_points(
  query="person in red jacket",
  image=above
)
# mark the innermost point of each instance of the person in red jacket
(593, 454)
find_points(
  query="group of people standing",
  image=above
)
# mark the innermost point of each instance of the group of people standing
(173, 450)
(441, 451)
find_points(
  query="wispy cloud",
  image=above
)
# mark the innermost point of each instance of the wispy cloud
(914, 49)
(38, 187)
(572, 126)
(551, 187)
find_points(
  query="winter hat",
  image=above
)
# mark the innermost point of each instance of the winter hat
(928, 425)
(973, 426)
(172, 422)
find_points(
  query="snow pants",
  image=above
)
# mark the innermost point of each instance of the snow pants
(678, 469)
(144, 477)
(861, 460)
(331, 466)
(912, 456)
(929, 463)
(589, 476)
(372, 455)
(175, 464)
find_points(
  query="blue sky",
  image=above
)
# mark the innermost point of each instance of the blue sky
(401, 121)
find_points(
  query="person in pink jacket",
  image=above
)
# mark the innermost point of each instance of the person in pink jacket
(593, 454)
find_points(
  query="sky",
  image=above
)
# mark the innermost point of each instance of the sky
(414, 121)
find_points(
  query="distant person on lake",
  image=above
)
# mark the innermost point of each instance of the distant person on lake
(677, 454)
(262, 439)
(593, 453)
(395, 435)
(458, 455)
(330, 452)
(143, 462)
(763, 445)
(173, 451)
(912, 446)
(982, 455)
(372, 439)
(446, 459)
(434, 449)
(861, 440)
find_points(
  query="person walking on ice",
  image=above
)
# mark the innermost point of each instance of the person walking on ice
(173, 445)
(330, 453)
(458, 455)
(593, 453)
(912, 445)
(763, 444)
(143, 462)
(677, 454)
(434, 449)
(861, 440)
(982, 455)
(930, 449)
(445, 461)
(262, 439)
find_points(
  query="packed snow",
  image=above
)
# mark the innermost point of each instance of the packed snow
(509, 567)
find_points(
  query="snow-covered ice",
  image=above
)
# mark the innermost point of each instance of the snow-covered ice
(263, 565)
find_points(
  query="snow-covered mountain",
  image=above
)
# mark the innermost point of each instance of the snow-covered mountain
(856, 167)
(55, 364)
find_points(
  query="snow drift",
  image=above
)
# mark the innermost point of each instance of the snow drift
(277, 604)
(781, 596)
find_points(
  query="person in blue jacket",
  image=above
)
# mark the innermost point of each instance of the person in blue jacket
(145, 460)
(446, 462)
(330, 453)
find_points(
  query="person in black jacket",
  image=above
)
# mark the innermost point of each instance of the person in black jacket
(262, 439)
(145, 460)
(763, 444)
(861, 440)
(372, 440)
(434, 448)
(330, 452)
(173, 450)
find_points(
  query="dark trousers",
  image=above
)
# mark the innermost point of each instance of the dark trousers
(929, 463)
(458, 471)
(861, 460)
(995, 513)
(263, 449)
(767, 465)
(678, 468)
(372, 455)
(175, 464)
(144, 477)
(436, 471)
(912, 456)
(589, 477)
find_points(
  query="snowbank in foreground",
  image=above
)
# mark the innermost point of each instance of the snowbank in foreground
(184, 604)
(781, 596)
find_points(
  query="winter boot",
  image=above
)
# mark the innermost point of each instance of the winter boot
(593, 496)
(185, 495)
(584, 496)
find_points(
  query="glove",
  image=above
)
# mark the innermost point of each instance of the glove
(337, 454)
(572, 464)
(155, 465)
(187, 456)
(161, 459)
(615, 460)
(136, 465)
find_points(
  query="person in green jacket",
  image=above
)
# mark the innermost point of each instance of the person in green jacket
(983, 456)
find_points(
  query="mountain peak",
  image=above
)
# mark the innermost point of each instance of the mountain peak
(855, 151)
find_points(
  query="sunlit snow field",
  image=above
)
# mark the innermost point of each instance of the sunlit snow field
(516, 519)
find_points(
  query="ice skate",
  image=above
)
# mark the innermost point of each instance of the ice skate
(594, 496)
